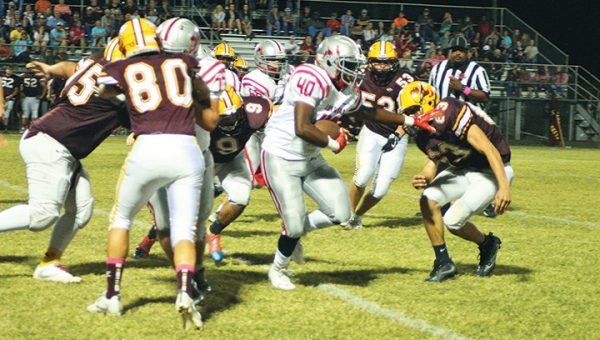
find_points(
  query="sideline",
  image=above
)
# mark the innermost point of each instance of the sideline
(373, 308)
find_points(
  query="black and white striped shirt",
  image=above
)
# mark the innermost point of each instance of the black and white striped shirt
(470, 74)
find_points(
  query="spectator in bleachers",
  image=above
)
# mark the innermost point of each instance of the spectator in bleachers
(63, 10)
(426, 28)
(518, 53)
(405, 41)
(369, 34)
(21, 48)
(512, 82)
(347, 23)
(232, 18)
(333, 23)
(115, 7)
(406, 61)
(41, 6)
(466, 28)
(531, 52)
(516, 35)
(129, 8)
(54, 20)
(274, 21)
(98, 11)
(305, 19)
(447, 22)
(262, 3)
(89, 20)
(292, 50)
(444, 41)
(319, 37)
(108, 21)
(525, 39)
(390, 35)
(541, 79)
(218, 19)
(16, 32)
(58, 37)
(5, 50)
(525, 82)
(483, 27)
(246, 20)
(40, 39)
(400, 22)
(316, 25)
(506, 40)
(289, 22)
(476, 41)
(29, 13)
(99, 35)
(307, 49)
(560, 82)
(76, 36)
(364, 18)
(151, 15)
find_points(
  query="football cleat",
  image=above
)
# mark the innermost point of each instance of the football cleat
(54, 272)
(199, 289)
(441, 271)
(143, 249)
(103, 305)
(490, 211)
(487, 255)
(298, 254)
(214, 246)
(355, 222)
(192, 319)
(280, 278)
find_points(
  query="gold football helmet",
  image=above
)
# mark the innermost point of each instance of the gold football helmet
(418, 97)
(224, 53)
(240, 66)
(382, 62)
(230, 104)
(138, 36)
(112, 52)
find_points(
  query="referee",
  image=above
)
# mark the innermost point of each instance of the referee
(460, 78)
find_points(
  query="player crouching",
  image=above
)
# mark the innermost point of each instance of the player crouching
(470, 142)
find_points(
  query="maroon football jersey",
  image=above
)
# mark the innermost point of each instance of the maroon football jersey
(383, 97)
(232, 132)
(450, 144)
(80, 120)
(158, 88)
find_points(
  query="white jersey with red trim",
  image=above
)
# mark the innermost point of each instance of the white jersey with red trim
(213, 73)
(311, 85)
(258, 83)
(233, 80)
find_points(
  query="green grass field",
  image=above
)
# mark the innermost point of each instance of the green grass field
(356, 284)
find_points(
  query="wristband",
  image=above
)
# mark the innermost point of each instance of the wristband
(409, 121)
(332, 144)
(467, 90)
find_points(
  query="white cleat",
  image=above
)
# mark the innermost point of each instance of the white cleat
(103, 305)
(280, 278)
(298, 254)
(192, 319)
(355, 222)
(54, 272)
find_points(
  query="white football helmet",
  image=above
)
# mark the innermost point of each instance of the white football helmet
(342, 59)
(203, 52)
(270, 57)
(179, 35)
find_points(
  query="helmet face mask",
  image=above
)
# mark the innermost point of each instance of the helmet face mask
(270, 57)
(418, 98)
(230, 104)
(225, 54)
(342, 60)
(383, 62)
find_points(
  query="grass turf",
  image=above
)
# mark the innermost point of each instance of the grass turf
(545, 284)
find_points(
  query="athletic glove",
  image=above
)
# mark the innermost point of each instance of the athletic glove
(422, 121)
(338, 144)
(392, 141)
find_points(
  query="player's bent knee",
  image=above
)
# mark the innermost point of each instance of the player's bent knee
(178, 235)
(456, 217)
(341, 215)
(42, 218)
(362, 177)
(381, 188)
(84, 213)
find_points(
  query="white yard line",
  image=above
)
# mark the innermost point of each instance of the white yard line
(98, 211)
(373, 308)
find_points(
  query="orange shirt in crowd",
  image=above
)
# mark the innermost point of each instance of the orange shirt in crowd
(62, 9)
(400, 22)
(42, 5)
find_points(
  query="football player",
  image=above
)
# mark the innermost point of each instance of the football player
(240, 67)
(10, 89)
(52, 149)
(178, 35)
(381, 147)
(239, 119)
(34, 89)
(291, 159)
(469, 141)
(225, 54)
(164, 100)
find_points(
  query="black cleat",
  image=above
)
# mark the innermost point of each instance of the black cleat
(487, 255)
(442, 271)
(490, 211)
(200, 287)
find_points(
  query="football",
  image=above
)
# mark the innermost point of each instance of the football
(329, 128)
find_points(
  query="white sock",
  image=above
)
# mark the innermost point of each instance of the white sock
(281, 261)
(15, 218)
(316, 220)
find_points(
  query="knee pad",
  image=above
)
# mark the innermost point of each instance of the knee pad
(362, 176)
(381, 187)
(294, 226)
(43, 216)
(456, 217)
(84, 213)
(241, 195)
(340, 215)
(182, 234)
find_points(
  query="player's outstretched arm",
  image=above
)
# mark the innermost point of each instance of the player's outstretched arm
(63, 69)
(480, 142)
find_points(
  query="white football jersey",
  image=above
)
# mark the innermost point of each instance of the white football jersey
(213, 73)
(311, 85)
(233, 80)
(258, 83)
